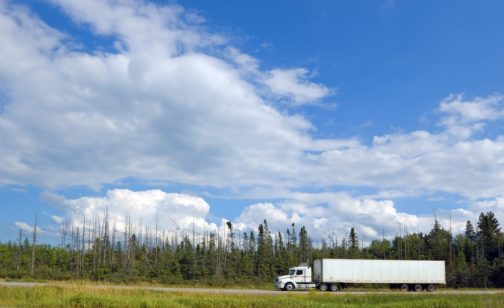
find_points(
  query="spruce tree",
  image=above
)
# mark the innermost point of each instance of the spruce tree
(353, 242)
(488, 233)
(304, 245)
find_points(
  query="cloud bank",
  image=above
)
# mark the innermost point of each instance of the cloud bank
(173, 213)
(174, 111)
(327, 216)
(164, 99)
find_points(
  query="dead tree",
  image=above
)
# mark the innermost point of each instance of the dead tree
(34, 242)
(19, 251)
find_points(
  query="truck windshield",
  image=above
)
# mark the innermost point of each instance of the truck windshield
(292, 272)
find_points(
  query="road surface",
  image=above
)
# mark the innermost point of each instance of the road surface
(228, 291)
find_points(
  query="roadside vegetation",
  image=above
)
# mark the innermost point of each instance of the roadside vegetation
(97, 251)
(79, 296)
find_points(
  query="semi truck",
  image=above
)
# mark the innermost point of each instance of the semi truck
(336, 274)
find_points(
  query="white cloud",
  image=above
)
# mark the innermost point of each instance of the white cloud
(289, 85)
(27, 228)
(166, 112)
(163, 107)
(478, 109)
(294, 84)
(418, 161)
(495, 205)
(57, 219)
(175, 213)
(464, 117)
(325, 215)
(333, 214)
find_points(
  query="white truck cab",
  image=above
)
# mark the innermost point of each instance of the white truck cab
(299, 277)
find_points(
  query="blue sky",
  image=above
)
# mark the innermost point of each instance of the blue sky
(330, 114)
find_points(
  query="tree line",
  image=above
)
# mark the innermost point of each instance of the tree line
(100, 252)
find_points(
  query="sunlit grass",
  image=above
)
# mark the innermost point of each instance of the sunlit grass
(88, 296)
(222, 283)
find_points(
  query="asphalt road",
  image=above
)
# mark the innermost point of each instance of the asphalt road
(229, 291)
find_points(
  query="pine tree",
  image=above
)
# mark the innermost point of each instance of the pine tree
(462, 270)
(247, 258)
(264, 260)
(488, 232)
(211, 256)
(304, 245)
(353, 242)
(469, 242)
(478, 260)
(186, 259)
(438, 242)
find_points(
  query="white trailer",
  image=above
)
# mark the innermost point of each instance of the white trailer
(335, 274)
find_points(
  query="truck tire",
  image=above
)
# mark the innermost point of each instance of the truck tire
(431, 288)
(334, 287)
(322, 287)
(418, 288)
(404, 287)
(289, 286)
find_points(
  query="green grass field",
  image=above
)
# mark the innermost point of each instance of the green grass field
(83, 296)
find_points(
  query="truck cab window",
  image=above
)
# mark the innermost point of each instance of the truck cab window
(299, 272)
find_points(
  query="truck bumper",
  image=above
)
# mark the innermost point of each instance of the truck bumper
(279, 285)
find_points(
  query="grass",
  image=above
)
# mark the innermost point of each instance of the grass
(235, 284)
(87, 296)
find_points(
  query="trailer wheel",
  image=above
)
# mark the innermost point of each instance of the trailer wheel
(334, 287)
(418, 288)
(431, 288)
(404, 288)
(289, 286)
(323, 287)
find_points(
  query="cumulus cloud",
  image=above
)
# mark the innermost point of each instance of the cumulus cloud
(414, 162)
(495, 205)
(478, 109)
(323, 214)
(176, 103)
(173, 213)
(464, 117)
(331, 213)
(168, 112)
(289, 85)
(420, 161)
(328, 216)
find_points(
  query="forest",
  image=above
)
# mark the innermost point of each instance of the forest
(100, 252)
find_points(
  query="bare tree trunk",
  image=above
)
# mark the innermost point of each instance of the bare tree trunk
(450, 240)
(34, 241)
(19, 251)
(156, 241)
(106, 239)
(63, 233)
(112, 251)
(81, 259)
(193, 244)
(94, 241)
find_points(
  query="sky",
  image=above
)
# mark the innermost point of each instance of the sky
(379, 115)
